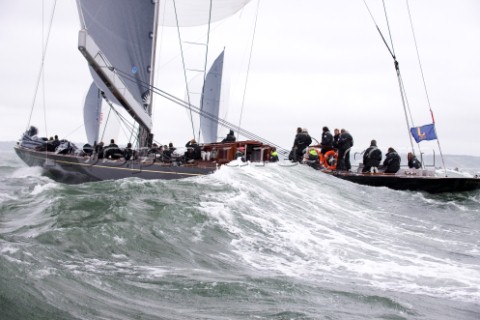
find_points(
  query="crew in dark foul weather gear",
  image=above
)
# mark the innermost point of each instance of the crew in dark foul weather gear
(194, 152)
(129, 153)
(167, 152)
(99, 149)
(336, 136)
(372, 158)
(345, 143)
(52, 144)
(230, 137)
(113, 151)
(392, 161)
(301, 142)
(327, 140)
(413, 162)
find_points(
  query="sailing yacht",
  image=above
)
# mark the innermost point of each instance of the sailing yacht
(118, 40)
(422, 179)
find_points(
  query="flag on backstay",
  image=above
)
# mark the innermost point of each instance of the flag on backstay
(426, 132)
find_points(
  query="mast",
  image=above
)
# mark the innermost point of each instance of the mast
(145, 137)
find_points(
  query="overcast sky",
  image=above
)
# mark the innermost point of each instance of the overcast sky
(314, 63)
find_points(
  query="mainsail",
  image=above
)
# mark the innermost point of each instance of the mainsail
(211, 100)
(117, 39)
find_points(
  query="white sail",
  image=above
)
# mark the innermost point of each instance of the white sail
(118, 40)
(190, 13)
(210, 103)
(92, 110)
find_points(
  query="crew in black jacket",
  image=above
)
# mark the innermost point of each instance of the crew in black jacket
(392, 161)
(413, 161)
(372, 158)
(194, 152)
(327, 140)
(302, 141)
(345, 142)
(230, 137)
(336, 136)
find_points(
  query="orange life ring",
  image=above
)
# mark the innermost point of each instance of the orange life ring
(327, 160)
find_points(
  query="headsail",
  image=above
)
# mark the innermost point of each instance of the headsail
(190, 13)
(118, 41)
(211, 100)
(92, 113)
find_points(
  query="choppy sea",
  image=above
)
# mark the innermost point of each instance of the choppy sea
(247, 242)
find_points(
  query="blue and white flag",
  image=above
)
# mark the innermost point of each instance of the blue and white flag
(426, 132)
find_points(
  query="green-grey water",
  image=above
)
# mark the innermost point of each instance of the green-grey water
(248, 242)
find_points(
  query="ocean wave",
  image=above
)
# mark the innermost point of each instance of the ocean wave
(247, 233)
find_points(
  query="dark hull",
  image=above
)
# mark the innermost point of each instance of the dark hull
(77, 169)
(413, 183)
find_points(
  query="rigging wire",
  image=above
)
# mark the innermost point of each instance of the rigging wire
(418, 56)
(43, 73)
(74, 130)
(105, 127)
(206, 61)
(210, 116)
(406, 108)
(184, 67)
(197, 110)
(42, 65)
(388, 26)
(127, 124)
(424, 84)
(204, 114)
(248, 68)
(379, 31)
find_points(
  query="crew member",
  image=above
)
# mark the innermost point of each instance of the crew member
(372, 158)
(302, 141)
(194, 151)
(128, 152)
(345, 143)
(274, 155)
(230, 137)
(313, 159)
(392, 161)
(112, 151)
(327, 140)
(413, 162)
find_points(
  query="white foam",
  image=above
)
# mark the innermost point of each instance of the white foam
(26, 172)
(8, 249)
(42, 188)
(302, 223)
(7, 197)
